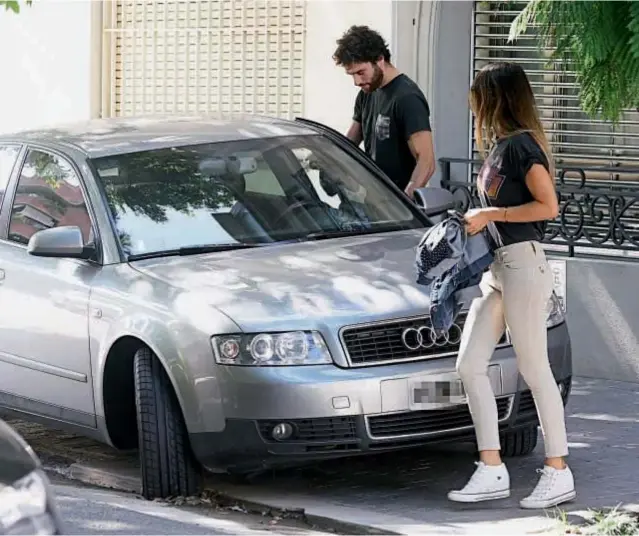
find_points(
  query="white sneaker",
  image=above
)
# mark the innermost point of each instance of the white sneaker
(487, 483)
(554, 487)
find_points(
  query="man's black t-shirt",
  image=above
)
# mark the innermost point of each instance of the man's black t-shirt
(389, 116)
(502, 178)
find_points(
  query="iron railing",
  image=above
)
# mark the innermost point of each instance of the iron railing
(596, 216)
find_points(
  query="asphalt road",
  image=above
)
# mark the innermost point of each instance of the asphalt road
(88, 510)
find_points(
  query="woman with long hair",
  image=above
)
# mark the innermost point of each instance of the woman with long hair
(517, 190)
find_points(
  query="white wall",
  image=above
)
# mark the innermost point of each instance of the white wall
(329, 94)
(46, 61)
(45, 64)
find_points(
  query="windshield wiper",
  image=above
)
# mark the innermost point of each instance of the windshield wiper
(190, 250)
(382, 227)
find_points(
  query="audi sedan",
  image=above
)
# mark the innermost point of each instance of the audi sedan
(233, 295)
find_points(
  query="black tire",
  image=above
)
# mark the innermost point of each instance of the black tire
(167, 463)
(519, 442)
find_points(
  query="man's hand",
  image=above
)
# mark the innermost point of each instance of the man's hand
(410, 189)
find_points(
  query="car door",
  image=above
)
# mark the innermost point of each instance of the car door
(44, 342)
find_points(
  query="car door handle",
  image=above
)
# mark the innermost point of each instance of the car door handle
(1, 275)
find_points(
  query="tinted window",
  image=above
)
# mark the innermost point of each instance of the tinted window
(250, 191)
(8, 157)
(48, 195)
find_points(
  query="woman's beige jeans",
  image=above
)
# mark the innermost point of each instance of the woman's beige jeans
(516, 291)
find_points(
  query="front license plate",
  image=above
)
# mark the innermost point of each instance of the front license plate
(434, 393)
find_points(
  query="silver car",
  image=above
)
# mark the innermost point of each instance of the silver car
(231, 295)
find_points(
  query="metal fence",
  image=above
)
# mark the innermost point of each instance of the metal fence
(595, 216)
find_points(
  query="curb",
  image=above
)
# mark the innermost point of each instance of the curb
(104, 478)
(322, 522)
(343, 520)
(229, 495)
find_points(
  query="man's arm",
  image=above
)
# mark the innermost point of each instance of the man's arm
(354, 133)
(421, 145)
(414, 116)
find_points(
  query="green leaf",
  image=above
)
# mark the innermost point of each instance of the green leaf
(633, 28)
(521, 22)
(14, 5)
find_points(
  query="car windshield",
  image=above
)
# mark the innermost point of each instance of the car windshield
(248, 192)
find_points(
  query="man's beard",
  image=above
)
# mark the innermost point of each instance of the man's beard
(376, 81)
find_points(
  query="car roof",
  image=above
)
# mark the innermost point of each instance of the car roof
(107, 137)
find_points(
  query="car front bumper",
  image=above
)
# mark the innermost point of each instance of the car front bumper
(341, 412)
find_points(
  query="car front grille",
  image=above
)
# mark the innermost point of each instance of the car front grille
(313, 430)
(425, 422)
(526, 403)
(379, 343)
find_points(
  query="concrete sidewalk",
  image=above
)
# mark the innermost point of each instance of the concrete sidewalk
(405, 492)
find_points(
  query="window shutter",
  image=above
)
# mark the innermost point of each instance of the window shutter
(576, 139)
(204, 56)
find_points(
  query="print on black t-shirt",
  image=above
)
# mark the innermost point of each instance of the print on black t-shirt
(502, 178)
(389, 116)
(490, 178)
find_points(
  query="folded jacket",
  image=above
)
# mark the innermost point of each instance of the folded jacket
(441, 247)
(451, 263)
(450, 292)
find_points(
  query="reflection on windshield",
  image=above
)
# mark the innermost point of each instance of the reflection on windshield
(250, 191)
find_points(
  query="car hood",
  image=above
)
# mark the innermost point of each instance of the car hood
(16, 456)
(361, 278)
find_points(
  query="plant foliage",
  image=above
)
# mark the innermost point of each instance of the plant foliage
(13, 5)
(599, 41)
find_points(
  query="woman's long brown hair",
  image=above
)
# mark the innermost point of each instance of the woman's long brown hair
(504, 105)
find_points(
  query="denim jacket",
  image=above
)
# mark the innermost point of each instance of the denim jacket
(452, 263)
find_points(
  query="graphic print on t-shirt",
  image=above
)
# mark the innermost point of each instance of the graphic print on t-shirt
(490, 179)
(382, 127)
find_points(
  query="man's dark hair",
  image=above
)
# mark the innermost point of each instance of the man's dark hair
(360, 44)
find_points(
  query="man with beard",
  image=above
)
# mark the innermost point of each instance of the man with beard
(391, 115)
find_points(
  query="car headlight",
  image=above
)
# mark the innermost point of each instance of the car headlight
(272, 349)
(24, 506)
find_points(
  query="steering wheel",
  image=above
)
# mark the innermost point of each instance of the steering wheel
(304, 204)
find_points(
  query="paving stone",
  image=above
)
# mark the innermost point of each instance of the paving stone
(602, 420)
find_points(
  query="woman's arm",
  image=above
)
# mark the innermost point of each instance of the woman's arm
(544, 207)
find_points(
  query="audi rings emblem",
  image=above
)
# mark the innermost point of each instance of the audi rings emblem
(425, 337)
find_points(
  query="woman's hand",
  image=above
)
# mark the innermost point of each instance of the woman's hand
(476, 219)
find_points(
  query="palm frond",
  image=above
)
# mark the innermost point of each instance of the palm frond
(599, 40)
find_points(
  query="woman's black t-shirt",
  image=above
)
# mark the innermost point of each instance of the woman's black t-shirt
(502, 178)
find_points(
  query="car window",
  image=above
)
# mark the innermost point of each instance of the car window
(48, 195)
(319, 173)
(247, 191)
(262, 180)
(8, 158)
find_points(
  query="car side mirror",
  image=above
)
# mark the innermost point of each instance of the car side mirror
(434, 201)
(59, 242)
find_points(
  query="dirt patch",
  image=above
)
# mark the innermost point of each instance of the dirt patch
(48, 443)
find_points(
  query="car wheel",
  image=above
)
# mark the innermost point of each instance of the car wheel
(168, 466)
(519, 442)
